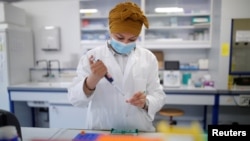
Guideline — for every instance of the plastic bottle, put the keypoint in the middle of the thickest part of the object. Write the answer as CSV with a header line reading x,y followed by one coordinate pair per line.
x,y
9,133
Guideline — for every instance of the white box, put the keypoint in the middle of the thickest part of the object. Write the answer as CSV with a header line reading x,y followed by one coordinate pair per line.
x,y
203,63
11,14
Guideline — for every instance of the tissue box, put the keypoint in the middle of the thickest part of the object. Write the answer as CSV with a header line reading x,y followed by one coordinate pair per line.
x,y
160,58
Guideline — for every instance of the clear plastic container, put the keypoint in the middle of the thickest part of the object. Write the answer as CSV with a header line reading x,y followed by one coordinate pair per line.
x,y
9,133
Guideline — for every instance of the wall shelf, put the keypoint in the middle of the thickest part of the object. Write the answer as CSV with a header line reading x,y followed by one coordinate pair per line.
x,y
172,31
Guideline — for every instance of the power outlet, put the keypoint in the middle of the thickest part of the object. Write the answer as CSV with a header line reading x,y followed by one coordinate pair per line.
x,y
244,100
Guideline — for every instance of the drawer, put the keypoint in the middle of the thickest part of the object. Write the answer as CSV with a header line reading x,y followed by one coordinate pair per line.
x,y
51,97
190,99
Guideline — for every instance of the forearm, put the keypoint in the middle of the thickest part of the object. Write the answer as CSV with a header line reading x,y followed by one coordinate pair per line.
x,y
89,85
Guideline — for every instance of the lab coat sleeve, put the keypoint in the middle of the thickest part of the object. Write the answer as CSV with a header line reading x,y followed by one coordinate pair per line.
x,y
155,93
76,95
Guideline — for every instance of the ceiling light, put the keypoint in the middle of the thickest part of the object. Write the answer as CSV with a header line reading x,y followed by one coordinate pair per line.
x,y
169,10
49,27
88,10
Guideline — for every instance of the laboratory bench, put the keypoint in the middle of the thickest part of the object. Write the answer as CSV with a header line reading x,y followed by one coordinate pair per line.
x,y
54,97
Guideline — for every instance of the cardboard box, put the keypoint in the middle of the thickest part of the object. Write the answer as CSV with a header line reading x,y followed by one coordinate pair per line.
x,y
160,57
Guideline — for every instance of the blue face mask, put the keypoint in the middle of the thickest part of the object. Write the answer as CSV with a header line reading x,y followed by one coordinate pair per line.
x,y
121,47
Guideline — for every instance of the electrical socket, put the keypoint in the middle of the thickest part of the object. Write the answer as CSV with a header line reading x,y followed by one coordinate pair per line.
x,y
244,100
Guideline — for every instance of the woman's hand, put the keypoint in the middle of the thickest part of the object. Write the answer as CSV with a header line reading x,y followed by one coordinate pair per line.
x,y
98,69
138,99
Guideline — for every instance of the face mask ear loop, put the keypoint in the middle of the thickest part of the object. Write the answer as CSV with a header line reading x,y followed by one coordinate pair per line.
x,y
110,46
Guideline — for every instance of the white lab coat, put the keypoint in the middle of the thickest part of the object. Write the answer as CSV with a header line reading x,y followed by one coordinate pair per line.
x,y
107,107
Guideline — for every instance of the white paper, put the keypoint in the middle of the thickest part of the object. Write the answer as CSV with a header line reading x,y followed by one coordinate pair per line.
x,y
242,36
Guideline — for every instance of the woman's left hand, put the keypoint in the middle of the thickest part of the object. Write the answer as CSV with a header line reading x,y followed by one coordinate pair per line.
x,y
138,99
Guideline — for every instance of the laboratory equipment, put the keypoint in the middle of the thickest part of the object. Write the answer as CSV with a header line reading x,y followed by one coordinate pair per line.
x,y
171,74
239,47
124,132
86,137
111,81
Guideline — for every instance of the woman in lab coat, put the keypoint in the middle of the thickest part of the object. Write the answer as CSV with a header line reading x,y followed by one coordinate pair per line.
x,y
136,96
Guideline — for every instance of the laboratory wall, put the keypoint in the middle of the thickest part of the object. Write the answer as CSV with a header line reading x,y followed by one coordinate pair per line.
x,y
63,14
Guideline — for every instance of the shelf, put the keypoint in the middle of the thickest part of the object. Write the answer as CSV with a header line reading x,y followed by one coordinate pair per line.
x,y
201,25
94,29
94,17
177,44
178,15
194,69
207,25
166,30
197,26
89,44
156,44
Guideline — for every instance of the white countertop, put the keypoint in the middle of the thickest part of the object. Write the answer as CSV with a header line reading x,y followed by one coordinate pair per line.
x,y
43,84
30,133
186,89
40,86
63,85
66,84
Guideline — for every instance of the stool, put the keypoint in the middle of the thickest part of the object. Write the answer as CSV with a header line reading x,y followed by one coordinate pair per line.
x,y
171,112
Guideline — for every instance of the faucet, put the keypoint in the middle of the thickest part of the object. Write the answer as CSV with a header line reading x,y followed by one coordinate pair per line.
x,y
58,64
47,67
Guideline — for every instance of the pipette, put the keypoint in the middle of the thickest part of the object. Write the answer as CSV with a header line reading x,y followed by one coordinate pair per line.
x,y
111,81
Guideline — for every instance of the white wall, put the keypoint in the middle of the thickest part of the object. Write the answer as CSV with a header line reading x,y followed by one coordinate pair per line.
x,y
62,13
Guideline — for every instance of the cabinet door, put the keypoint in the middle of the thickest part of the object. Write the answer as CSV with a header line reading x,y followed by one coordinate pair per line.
x,y
67,116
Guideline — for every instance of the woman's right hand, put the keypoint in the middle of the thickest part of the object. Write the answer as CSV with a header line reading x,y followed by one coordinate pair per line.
x,y
98,69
